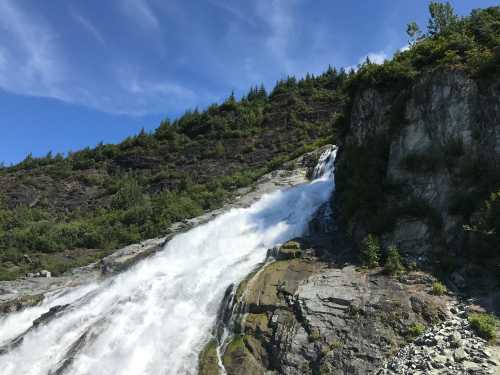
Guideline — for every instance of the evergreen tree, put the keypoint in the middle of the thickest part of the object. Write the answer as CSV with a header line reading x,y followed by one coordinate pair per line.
x,y
393,265
370,251
128,195
443,18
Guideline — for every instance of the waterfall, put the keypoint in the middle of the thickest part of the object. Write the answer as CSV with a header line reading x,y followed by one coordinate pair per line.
x,y
155,317
325,166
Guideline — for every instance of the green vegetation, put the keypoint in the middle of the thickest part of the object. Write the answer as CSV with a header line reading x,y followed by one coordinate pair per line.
x,y
415,330
393,265
71,210
467,43
485,325
486,226
208,363
370,251
438,288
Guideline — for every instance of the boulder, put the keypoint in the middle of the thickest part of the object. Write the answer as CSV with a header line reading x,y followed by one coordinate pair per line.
x,y
45,273
289,250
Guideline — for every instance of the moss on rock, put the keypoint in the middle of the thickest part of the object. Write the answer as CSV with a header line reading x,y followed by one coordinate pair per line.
x,y
208,361
240,356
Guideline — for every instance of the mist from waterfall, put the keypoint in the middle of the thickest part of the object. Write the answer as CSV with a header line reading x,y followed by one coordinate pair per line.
x,y
155,317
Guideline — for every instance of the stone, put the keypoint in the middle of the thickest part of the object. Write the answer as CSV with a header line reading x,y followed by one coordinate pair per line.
x,y
208,363
45,273
459,355
455,340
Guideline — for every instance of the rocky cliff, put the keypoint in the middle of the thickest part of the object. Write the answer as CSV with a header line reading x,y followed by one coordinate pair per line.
x,y
433,153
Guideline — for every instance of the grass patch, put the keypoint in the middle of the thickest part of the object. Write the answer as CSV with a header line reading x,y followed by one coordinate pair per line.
x,y
438,288
484,325
415,330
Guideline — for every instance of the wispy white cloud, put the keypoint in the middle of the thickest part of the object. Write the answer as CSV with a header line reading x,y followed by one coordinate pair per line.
x,y
375,57
159,88
406,47
34,62
141,12
31,63
88,26
233,11
279,18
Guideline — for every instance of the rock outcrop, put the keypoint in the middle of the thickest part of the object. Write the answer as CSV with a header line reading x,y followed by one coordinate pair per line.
x,y
415,165
305,315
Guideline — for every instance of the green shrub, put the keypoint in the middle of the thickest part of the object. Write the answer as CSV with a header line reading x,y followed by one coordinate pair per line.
x,y
438,288
393,265
129,195
416,330
370,251
484,324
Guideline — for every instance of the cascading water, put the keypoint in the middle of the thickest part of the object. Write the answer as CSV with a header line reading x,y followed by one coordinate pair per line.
x,y
155,317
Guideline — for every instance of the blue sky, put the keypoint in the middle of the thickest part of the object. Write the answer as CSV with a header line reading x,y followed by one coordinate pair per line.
x,y
74,73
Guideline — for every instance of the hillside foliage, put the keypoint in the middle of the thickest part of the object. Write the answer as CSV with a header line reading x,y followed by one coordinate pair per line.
x,y
65,211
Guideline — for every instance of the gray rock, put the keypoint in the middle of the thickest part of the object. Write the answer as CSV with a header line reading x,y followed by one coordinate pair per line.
x,y
45,273
459,355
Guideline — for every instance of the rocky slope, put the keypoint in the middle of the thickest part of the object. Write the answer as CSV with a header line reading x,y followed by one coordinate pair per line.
x,y
451,347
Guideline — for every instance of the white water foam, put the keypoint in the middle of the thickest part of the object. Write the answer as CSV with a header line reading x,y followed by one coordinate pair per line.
x,y
155,317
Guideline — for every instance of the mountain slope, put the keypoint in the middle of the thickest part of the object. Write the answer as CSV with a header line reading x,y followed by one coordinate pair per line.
x,y
58,212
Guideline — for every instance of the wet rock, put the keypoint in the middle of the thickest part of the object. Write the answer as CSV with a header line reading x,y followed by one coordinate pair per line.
x,y
49,315
45,273
208,363
20,303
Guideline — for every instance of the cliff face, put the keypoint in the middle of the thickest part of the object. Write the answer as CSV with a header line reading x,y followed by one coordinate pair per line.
x,y
423,159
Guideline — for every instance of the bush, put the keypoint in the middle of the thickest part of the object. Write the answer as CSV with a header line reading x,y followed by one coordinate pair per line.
x,y
393,265
370,251
129,195
438,289
416,330
484,324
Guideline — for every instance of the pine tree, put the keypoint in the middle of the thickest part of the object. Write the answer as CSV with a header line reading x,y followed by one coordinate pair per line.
x,y
370,251
443,17
393,265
